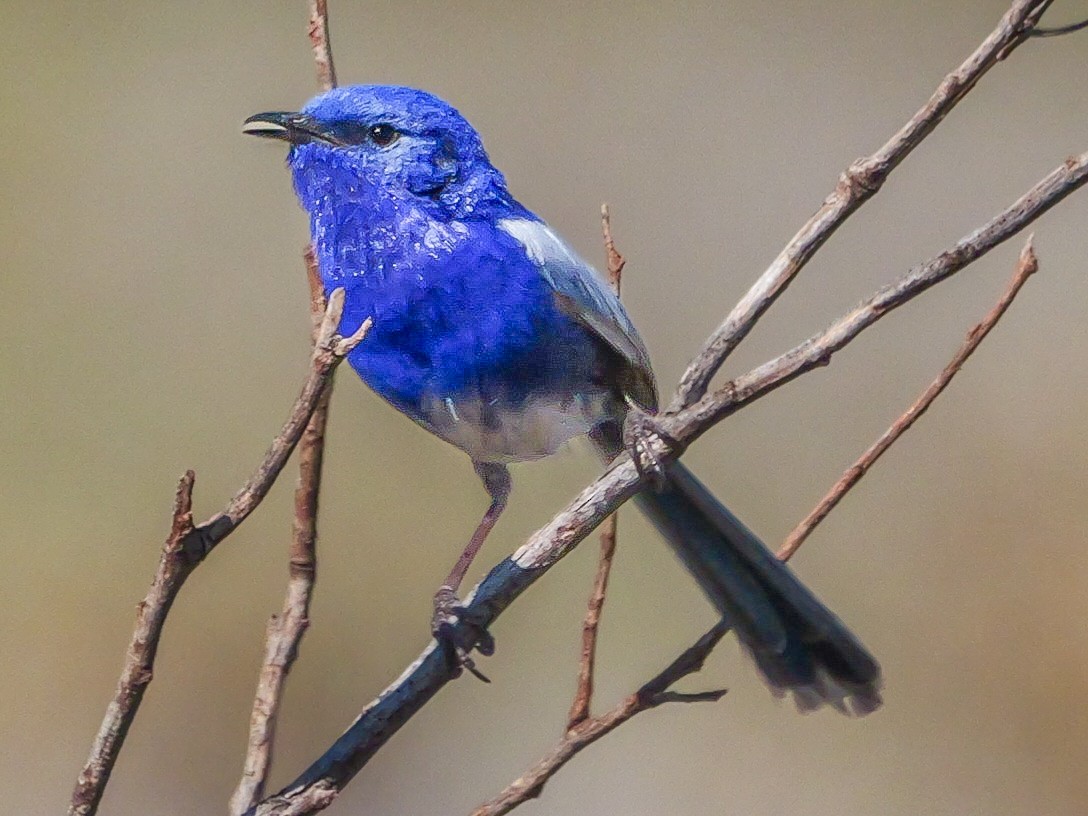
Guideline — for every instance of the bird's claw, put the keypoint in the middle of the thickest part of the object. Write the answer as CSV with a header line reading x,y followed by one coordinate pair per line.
x,y
447,626
639,428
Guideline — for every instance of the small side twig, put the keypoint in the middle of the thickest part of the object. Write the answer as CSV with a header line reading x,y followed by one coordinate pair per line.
x,y
1058,31
654,693
186,547
1026,266
583,696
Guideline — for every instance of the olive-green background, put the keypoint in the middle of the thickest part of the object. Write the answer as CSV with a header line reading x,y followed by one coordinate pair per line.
x,y
153,318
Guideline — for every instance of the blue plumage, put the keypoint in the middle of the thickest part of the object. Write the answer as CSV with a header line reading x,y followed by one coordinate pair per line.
x,y
492,333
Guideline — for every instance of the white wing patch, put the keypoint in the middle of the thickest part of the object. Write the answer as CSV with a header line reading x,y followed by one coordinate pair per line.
x,y
578,282
541,244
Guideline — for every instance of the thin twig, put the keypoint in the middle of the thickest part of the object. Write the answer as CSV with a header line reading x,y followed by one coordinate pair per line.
x,y
151,612
654,693
319,39
615,261
328,352
319,785
285,631
860,182
185,548
583,695
1058,31
1026,266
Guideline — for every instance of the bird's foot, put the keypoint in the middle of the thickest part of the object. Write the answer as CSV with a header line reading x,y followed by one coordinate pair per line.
x,y
639,428
457,636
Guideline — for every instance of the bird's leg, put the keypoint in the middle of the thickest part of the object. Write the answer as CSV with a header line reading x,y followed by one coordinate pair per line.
x,y
638,428
447,606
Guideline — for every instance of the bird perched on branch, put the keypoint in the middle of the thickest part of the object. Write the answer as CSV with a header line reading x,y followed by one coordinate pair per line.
x,y
490,332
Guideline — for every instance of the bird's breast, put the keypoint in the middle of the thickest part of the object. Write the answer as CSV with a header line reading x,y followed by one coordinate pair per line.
x,y
499,429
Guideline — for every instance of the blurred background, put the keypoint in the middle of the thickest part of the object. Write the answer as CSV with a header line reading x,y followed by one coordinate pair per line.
x,y
153,310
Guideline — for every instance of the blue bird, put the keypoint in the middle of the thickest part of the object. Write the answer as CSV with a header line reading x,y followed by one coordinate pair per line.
x,y
490,332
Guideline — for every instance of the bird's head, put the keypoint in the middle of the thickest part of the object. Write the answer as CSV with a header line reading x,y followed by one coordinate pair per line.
x,y
368,143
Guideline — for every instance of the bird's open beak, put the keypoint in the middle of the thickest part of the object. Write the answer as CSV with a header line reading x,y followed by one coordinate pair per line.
x,y
288,126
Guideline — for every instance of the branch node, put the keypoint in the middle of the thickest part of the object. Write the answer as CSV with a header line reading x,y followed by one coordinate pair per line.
x,y
343,345
862,179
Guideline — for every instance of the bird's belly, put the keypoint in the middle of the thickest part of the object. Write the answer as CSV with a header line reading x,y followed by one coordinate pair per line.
x,y
496,430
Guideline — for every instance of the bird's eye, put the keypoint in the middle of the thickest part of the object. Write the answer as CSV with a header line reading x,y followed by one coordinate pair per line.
x,y
383,135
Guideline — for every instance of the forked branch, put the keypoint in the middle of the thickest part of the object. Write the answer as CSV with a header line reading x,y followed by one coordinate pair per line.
x,y
186,547
860,182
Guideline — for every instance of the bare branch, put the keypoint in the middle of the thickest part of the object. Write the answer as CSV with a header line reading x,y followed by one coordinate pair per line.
x,y
614,261
1026,266
151,612
583,696
1059,30
656,692
285,630
319,40
817,350
861,181
322,781
185,548
328,352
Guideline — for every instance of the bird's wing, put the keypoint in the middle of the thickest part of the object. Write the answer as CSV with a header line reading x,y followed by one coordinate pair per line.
x,y
584,297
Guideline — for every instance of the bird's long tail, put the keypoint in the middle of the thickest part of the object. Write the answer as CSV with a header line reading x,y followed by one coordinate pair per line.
x,y
799,645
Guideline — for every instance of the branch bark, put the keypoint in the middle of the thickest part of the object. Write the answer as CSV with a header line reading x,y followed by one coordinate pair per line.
x,y
185,548
583,695
860,182
322,46
285,630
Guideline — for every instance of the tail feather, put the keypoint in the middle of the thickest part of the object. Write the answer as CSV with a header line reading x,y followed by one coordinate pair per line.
x,y
798,644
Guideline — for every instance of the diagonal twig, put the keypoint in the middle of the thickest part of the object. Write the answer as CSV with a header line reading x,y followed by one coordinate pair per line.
x,y
654,693
185,548
285,630
818,349
1059,31
1026,266
583,695
860,182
